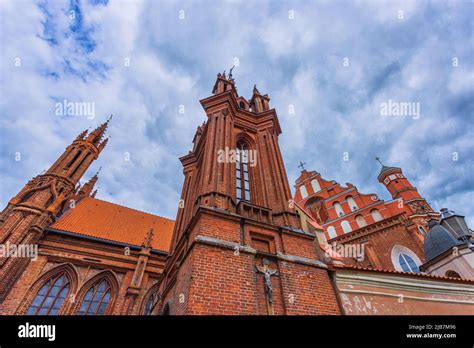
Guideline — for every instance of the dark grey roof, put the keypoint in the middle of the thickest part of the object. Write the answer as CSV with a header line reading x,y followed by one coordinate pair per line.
x,y
387,168
438,240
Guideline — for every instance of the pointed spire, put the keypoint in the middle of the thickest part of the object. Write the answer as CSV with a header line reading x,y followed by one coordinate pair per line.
x,y
87,188
103,144
96,135
82,135
378,160
385,169
259,102
224,84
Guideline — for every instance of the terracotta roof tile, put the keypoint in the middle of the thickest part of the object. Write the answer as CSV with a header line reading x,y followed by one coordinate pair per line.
x,y
101,219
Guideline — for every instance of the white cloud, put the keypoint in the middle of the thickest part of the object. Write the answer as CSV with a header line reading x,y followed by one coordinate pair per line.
x,y
297,61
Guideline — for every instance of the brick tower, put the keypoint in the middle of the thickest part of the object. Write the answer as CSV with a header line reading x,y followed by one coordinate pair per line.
x,y
38,204
416,207
238,247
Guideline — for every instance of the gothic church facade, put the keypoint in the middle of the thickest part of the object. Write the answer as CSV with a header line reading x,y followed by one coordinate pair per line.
x,y
241,244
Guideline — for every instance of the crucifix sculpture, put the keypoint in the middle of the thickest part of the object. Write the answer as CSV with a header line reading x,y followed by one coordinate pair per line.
x,y
267,274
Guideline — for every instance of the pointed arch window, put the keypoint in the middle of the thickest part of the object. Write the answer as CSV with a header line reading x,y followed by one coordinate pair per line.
x,y
50,297
242,174
96,299
73,159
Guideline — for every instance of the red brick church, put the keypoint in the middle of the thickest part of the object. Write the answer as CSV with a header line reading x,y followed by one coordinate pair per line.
x,y
241,244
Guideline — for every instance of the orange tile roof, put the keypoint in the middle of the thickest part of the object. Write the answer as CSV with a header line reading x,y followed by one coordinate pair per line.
x,y
100,219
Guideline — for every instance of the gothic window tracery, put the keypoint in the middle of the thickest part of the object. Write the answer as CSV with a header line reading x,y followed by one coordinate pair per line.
x,y
50,297
97,298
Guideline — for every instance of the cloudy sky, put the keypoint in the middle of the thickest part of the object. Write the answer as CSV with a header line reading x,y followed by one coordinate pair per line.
x,y
328,66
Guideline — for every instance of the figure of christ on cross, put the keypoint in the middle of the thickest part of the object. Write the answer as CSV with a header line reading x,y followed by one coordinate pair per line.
x,y
267,274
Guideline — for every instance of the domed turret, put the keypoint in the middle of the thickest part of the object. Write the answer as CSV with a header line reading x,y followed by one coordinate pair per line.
x,y
438,240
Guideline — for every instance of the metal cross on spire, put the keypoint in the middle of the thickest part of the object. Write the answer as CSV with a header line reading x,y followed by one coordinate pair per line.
x,y
230,72
302,165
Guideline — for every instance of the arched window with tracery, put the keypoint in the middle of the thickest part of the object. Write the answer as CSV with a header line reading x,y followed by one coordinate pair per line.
x,y
97,298
242,174
51,295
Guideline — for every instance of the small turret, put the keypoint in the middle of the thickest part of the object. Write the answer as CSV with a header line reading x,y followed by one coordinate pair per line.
x,y
259,102
396,183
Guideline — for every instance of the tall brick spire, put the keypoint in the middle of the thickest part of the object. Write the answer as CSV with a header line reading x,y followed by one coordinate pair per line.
x,y
235,209
42,199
